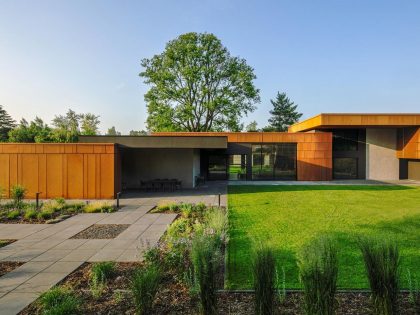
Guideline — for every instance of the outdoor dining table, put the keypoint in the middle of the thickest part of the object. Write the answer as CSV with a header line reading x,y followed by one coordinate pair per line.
x,y
162,184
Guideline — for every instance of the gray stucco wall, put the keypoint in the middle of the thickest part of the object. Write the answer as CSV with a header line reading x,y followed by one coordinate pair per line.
x,y
147,164
381,160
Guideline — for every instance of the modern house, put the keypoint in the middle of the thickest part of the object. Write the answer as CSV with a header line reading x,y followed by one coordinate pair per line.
x,y
322,148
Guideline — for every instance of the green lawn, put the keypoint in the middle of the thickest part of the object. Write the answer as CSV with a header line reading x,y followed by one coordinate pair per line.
x,y
287,217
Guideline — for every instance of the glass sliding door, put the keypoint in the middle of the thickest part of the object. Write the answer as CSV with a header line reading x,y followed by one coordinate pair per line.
x,y
237,167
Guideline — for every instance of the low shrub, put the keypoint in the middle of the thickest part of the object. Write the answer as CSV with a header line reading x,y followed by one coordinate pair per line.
x,y
99,274
14,214
144,286
59,300
30,214
99,206
264,272
382,261
318,269
206,261
17,193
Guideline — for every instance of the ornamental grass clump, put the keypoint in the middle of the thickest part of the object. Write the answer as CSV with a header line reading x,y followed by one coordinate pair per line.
x,y
413,291
144,286
205,256
382,262
99,206
318,269
59,300
264,275
99,275
17,193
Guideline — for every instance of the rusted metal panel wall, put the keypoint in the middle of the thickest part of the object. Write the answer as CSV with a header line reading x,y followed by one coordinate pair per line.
x,y
73,171
408,143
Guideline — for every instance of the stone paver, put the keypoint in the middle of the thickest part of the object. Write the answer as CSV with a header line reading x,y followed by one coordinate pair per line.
x,y
41,282
13,303
80,255
106,255
50,253
24,255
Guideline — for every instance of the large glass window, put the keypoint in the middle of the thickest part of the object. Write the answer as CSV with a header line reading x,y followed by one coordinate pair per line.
x,y
345,140
237,167
345,168
217,167
274,161
285,161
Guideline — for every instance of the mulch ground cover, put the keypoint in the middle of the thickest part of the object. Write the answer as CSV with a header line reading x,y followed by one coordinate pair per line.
x,y
6,242
174,298
7,266
102,231
55,218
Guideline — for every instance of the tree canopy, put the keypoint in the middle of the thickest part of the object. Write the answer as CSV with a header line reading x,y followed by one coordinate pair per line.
x,y
283,114
196,85
35,131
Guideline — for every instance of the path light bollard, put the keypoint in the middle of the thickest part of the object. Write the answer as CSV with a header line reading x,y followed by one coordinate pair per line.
x,y
219,200
118,199
37,200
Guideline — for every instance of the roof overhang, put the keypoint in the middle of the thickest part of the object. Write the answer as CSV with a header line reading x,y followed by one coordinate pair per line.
x,y
161,142
331,121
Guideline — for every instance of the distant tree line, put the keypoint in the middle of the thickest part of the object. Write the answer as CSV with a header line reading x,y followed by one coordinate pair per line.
x,y
63,128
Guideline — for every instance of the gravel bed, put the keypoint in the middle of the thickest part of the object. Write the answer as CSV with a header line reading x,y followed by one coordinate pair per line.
x,y
102,231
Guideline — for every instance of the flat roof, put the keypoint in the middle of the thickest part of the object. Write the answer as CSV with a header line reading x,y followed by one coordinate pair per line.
x,y
356,120
167,142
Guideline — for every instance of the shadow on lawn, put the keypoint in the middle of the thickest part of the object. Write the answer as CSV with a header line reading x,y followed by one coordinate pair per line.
x,y
247,189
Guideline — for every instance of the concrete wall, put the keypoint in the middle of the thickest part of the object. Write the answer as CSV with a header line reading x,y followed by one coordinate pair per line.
x,y
414,170
381,159
147,164
196,164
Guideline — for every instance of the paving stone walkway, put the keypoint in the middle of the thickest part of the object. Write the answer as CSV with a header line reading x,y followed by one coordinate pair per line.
x,y
50,255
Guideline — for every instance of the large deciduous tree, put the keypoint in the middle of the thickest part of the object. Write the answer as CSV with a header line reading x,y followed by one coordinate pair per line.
x,y
6,124
283,114
196,85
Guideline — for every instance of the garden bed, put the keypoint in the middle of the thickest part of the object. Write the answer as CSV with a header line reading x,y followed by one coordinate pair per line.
x,y
51,211
102,231
173,297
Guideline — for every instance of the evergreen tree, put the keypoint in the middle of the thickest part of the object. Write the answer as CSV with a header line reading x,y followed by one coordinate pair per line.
x,y
283,114
6,124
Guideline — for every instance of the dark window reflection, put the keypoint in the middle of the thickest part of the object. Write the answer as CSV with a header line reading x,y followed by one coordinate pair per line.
x,y
345,168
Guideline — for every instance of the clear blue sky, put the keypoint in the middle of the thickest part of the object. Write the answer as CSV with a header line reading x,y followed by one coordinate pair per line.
x,y
328,56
